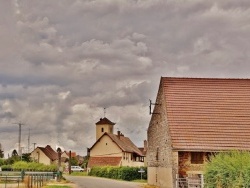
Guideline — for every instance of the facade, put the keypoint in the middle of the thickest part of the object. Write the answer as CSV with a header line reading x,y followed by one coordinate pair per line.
x,y
45,155
194,118
113,149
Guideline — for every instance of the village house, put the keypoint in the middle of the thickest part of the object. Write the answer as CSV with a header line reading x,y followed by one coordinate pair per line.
x,y
48,156
192,119
45,155
114,149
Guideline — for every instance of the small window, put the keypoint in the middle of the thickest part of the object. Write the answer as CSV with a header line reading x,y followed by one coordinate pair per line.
x,y
196,157
157,153
102,130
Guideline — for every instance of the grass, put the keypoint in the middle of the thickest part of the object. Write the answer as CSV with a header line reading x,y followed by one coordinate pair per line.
x,y
57,186
140,181
150,186
79,173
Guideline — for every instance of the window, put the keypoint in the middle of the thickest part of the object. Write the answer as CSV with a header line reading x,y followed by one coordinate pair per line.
x,y
157,153
196,158
102,130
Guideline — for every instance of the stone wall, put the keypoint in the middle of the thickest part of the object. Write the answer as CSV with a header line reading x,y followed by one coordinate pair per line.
x,y
159,154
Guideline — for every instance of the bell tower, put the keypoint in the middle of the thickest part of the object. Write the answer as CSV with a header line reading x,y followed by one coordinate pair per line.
x,y
104,125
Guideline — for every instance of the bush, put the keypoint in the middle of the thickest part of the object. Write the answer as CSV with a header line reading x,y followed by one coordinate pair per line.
x,y
6,168
123,173
229,170
20,165
33,166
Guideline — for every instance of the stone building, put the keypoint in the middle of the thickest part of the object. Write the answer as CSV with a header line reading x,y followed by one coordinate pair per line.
x,y
192,119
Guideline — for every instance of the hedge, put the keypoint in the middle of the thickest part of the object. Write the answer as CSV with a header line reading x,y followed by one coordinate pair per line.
x,y
123,173
32,166
229,170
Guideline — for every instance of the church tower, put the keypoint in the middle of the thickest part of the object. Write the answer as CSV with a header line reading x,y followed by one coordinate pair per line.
x,y
104,125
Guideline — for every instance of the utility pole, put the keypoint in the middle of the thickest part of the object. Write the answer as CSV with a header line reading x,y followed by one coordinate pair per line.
x,y
29,142
34,145
19,137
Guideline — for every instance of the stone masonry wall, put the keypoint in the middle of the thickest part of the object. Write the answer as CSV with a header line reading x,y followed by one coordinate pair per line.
x,y
159,142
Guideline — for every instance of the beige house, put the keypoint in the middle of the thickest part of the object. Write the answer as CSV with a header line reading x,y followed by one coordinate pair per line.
x,y
45,155
113,149
192,119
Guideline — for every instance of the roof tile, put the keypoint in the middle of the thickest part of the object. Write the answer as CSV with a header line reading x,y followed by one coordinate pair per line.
x,y
207,113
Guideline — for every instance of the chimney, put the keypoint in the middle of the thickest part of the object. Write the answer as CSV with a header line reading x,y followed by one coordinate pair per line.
x,y
119,134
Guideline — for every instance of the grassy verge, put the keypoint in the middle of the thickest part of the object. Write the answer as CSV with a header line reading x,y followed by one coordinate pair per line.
x,y
79,174
140,181
57,186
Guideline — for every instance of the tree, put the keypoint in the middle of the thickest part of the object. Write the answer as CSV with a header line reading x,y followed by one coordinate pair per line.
x,y
26,157
1,153
2,162
74,161
228,170
14,158
14,153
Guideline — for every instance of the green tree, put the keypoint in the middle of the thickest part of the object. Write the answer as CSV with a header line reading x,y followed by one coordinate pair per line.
x,y
228,170
1,153
14,153
2,162
74,161
14,158
26,157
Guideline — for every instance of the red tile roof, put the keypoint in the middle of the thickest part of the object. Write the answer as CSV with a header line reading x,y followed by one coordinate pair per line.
x,y
73,154
104,161
49,152
123,142
105,121
208,114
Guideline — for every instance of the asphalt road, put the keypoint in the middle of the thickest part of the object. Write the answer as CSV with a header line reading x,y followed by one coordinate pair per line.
x,y
95,182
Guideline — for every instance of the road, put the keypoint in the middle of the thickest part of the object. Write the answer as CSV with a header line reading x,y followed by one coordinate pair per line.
x,y
95,182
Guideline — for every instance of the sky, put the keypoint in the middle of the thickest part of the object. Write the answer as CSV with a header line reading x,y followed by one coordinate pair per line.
x,y
64,61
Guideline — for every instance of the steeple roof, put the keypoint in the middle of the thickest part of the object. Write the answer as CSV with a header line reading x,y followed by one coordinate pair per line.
x,y
105,121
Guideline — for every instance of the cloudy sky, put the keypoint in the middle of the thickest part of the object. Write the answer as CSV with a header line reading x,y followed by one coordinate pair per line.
x,y
63,61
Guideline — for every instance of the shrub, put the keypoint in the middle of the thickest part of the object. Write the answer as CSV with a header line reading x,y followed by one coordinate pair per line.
x,y
6,168
123,173
33,166
229,170
20,165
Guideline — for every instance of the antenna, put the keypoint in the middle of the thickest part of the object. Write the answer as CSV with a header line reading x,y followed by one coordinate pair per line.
x,y
19,137
150,104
